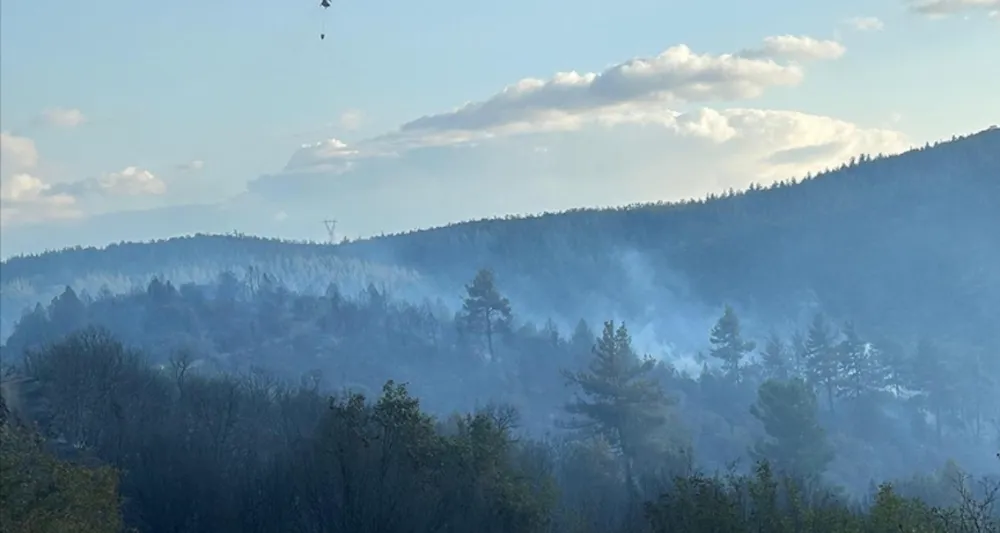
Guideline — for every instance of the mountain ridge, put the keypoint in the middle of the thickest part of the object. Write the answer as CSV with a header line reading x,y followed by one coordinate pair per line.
x,y
903,218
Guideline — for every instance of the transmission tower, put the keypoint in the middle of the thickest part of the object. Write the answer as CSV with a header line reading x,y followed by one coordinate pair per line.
x,y
331,231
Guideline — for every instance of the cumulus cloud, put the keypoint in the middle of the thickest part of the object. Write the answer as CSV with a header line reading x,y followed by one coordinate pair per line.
x,y
676,75
866,23
640,130
131,181
28,198
638,91
63,117
693,153
652,128
937,8
796,48
25,198
17,153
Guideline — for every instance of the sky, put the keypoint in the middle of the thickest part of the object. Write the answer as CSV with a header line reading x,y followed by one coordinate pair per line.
x,y
136,121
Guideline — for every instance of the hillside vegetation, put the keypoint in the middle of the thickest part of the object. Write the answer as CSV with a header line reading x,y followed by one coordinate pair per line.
x,y
824,358
902,243
182,450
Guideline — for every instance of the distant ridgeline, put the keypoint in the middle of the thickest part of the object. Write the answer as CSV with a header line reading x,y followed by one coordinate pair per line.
x,y
903,244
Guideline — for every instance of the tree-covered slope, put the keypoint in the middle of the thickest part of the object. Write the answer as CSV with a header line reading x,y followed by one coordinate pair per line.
x,y
903,243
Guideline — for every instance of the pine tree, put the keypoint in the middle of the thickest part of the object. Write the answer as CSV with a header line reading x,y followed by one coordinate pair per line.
x,y
67,313
728,344
796,443
620,400
776,359
861,370
798,348
582,341
485,311
897,366
821,361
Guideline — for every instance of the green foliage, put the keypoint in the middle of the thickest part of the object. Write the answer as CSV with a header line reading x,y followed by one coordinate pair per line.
x,y
620,401
796,443
904,243
225,454
728,345
485,312
821,358
776,360
891,512
40,493
211,443
862,372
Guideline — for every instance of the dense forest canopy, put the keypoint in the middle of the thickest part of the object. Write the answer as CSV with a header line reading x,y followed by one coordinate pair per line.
x,y
186,448
758,361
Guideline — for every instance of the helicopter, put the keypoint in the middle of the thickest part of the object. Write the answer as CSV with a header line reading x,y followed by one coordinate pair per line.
x,y
325,4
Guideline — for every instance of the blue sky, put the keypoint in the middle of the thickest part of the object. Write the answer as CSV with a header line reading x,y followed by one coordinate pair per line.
x,y
119,116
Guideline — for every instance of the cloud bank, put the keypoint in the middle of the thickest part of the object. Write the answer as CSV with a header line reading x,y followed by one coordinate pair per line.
x,y
27,198
938,8
649,128
60,117
674,125
865,23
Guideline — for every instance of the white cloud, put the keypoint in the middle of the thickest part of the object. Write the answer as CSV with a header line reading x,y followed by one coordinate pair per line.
x,y
866,23
937,8
25,199
627,134
131,181
638,91
352,119
22,187
692,154
16,153
63,117
796,48
676,75
748,132
995,14
647,129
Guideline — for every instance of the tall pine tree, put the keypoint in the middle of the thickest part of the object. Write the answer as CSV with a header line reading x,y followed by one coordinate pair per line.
x,y
728,345
776,359
796,444
821,358
619,399
862,372
485,312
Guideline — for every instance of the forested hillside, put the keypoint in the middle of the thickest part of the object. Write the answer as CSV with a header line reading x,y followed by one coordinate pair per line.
x,y
889,407
902,244
181,448
807,342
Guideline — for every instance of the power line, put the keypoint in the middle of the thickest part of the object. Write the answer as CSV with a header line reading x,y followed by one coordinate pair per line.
x,y
331,230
